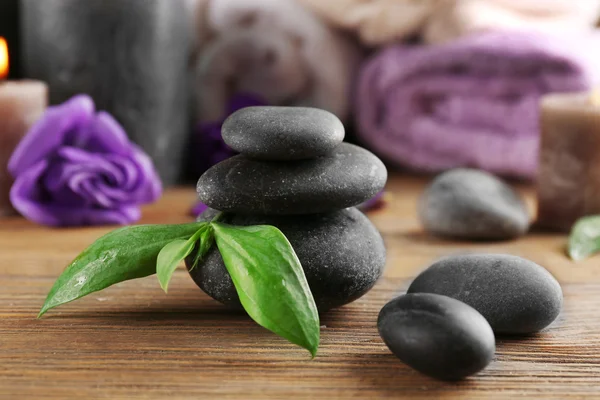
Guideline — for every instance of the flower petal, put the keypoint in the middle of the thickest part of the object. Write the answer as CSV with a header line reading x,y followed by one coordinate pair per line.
x,y
116,194
374,203
50,132
107,136
55,181
150,185
28,198
94,216
100,164
198,209
91,176
128,172
81,183
113,179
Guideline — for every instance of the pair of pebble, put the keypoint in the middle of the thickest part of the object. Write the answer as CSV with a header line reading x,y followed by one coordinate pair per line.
x,y
445,325
295,173
456,305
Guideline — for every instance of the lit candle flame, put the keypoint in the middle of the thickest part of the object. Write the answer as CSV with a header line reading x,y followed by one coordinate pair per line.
x,y
3,58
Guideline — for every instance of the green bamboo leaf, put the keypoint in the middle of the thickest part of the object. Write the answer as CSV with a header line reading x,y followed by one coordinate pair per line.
x,y
169,258
585,238
172,254
124,254
270,281
207,239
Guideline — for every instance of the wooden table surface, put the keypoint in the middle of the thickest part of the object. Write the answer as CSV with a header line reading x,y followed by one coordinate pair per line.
x,y
134,341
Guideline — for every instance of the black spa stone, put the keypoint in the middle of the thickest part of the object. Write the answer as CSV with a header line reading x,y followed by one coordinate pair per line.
x,y
515,295
283,133
342,255
472,204
436,335
345,178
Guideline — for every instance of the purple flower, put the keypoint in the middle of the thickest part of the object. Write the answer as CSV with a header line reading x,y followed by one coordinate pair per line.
x,y
208,146
198,209
375,203
76,167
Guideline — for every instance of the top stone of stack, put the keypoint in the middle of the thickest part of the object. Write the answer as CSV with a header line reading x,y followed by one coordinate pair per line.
x,y
283,133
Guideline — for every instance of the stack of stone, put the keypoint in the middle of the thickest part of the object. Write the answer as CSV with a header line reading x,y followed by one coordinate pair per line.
x,y
295,173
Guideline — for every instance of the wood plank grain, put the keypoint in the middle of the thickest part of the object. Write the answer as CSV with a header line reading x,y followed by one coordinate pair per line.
x,y
133,341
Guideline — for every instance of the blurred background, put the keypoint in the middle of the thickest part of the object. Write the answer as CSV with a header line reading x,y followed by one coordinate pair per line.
x,y
427,85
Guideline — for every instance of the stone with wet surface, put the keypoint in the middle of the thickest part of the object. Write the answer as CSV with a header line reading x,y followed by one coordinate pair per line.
x,y
308,193
283,133
515,295
437,335
341,252
345,178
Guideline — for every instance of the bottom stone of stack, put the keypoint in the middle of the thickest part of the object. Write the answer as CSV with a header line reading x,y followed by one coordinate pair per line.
x,y
341,252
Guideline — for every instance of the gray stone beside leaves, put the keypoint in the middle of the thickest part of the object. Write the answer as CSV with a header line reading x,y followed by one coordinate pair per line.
x,y
345,178
515,295
283,133
472,204
342,255
436,335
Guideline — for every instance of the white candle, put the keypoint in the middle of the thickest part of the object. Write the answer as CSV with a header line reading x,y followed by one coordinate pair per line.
x,y
21,104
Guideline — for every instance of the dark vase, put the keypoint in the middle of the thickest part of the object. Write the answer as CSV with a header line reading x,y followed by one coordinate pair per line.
x,y
131,56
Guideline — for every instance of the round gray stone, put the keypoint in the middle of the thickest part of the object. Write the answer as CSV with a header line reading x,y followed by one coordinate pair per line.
x,y
515,295
436,335
283,133
345,178
472,204
342,255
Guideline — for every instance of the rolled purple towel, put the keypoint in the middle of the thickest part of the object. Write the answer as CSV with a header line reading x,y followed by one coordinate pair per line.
x,y
471,103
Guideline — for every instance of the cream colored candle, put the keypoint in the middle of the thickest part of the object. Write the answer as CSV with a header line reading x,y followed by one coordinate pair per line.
x,y
21,104
569,169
